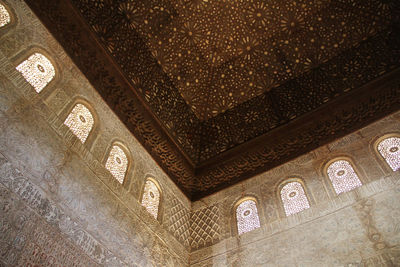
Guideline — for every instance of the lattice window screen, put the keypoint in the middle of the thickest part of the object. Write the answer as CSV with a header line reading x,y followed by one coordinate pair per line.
x,y
247,216
294,198
80,121
151,198
389,148
37,71
343,176
117,163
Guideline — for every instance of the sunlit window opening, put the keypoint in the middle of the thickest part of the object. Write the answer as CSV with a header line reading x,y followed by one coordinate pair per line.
x,y
80,121
151,198
117,163
294,198
4,16
37,71
343,176
247,216
389,148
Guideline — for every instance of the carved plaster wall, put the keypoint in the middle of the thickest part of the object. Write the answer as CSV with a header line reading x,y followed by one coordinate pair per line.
x,y
357,228
60,206
58,203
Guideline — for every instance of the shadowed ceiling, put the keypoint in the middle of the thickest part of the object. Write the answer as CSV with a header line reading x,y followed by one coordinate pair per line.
x,y
218,91
219,54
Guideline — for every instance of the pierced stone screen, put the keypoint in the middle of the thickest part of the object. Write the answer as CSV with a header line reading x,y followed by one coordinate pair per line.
x,y
343,176
80,121
294,198
390,151
37,71
151,198
117,163
247,217
4,16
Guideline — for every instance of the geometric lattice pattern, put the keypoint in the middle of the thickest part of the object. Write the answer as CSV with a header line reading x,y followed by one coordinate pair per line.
x,y
205,227
221,55
343,176
179,221
389,148
4,16
294,198
151,198
117,163
80,121
247,216
37,70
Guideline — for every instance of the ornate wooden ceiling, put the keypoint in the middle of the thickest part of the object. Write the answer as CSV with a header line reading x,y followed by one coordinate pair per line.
x,y
218,91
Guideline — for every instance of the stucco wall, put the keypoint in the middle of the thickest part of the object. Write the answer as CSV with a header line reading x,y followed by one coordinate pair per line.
x,y
357,228
58,204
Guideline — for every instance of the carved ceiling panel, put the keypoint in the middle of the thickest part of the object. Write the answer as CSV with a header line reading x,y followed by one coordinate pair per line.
x,y
218,91
219,54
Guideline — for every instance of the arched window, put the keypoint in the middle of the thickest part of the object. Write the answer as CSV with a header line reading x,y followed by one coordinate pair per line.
x,y
247,216
37,71
117,163
389,148
151,198
80,121
4,16
343,176
294,198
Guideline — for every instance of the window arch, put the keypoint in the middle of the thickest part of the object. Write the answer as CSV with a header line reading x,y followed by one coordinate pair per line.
x,y
389,148
37,71
5,17
247,216
343,176
294,198
80,121
117,163
151,197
